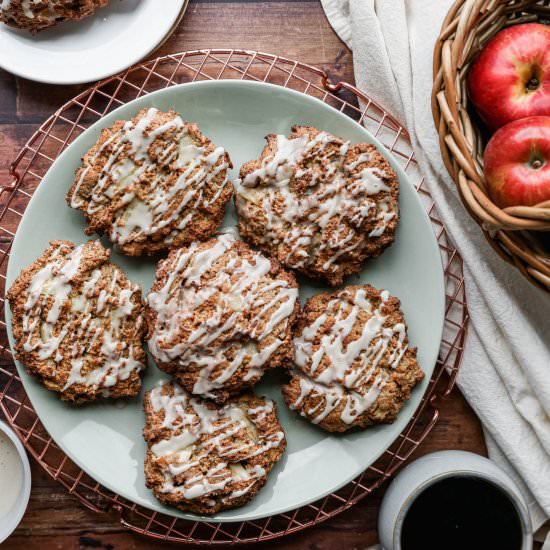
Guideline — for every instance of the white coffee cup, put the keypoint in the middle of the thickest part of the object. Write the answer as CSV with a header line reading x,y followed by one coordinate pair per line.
x,y
425,471
18,461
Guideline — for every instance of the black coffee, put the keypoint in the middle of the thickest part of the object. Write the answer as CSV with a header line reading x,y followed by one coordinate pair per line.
x,y
462,513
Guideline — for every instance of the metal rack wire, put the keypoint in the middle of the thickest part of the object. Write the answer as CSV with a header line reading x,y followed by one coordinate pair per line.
x,y
56,133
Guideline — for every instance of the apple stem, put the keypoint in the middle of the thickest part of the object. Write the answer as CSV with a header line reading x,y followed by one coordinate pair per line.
x,y
533,84
536,164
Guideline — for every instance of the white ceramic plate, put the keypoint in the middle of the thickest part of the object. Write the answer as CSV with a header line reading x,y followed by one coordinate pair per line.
x,y
112,39
106,439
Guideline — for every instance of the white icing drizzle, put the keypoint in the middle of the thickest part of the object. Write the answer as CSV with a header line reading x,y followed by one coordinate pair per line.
x,y
226,439
242,310
56,309
333,370
181,173
337,194
26,6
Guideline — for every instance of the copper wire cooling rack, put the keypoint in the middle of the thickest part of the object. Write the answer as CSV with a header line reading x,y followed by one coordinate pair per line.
x,y
73,118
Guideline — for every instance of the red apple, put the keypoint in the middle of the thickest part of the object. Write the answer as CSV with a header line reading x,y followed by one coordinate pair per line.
x,y
517,162
510,79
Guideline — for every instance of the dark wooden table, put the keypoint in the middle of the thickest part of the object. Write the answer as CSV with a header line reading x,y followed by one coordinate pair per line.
x,y
297,29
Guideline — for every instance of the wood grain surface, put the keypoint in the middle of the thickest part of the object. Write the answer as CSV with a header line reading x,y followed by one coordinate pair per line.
x,y
296,29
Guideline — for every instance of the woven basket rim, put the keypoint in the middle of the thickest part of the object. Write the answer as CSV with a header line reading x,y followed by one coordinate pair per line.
x,y
516,233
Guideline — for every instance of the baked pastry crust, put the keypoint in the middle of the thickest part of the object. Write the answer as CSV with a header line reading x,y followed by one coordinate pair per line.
x,y
77,323
152,183
203,457
37,15
318,204
219,315
353,363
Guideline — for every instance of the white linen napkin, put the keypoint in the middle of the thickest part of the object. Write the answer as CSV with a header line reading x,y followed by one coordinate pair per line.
x,y
505,374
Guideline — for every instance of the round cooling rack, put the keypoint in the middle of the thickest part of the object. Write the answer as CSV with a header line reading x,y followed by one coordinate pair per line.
x,y
52,138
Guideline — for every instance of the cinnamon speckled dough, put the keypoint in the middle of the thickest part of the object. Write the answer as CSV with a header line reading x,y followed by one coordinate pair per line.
x,y
219,315
353,363
203,457
152,183
36,15
317,203
77,323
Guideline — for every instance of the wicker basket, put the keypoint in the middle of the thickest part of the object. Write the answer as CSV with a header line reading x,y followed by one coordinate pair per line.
x,y
520,234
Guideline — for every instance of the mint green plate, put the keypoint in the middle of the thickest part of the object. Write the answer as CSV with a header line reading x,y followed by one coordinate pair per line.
x,y
105,439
